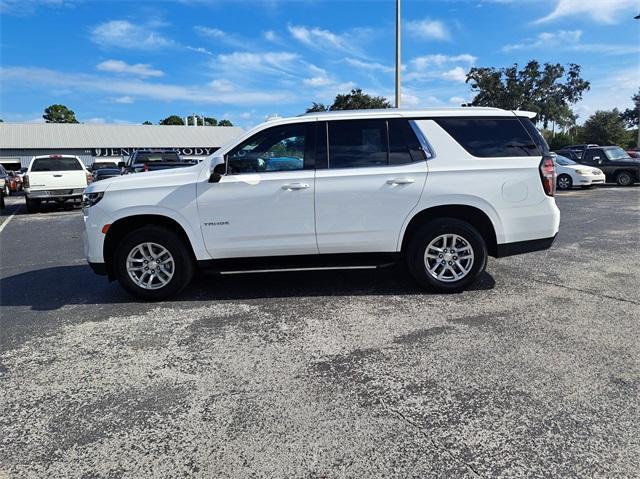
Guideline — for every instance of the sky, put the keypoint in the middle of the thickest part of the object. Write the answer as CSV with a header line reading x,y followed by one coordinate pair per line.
x,y
132,61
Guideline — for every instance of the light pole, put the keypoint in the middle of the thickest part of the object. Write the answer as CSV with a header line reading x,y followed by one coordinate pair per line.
x,y
398,60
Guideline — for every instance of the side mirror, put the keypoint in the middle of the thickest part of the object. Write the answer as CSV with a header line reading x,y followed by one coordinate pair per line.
x,y
218,168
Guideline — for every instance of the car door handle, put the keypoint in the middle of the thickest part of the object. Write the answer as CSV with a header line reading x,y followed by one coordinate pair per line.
x,y
400,181
295,186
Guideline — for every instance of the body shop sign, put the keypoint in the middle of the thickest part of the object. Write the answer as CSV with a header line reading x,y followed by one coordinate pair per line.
x,y
107,152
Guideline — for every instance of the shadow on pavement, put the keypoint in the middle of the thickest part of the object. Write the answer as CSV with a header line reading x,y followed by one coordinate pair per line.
x,y
53,288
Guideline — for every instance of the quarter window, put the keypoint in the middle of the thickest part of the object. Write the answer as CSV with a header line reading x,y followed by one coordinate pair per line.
x,y
280,148
490,137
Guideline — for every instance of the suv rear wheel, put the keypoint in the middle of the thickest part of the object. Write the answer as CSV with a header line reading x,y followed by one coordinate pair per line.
x,y
624,178
153,263
446,255
32,205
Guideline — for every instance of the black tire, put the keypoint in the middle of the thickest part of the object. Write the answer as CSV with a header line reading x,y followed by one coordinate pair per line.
x,y
182,256
1,201
33,206
423,236
564,182
6,191
624,178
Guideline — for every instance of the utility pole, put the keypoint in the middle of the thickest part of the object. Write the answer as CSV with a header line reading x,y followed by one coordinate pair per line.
x,y
398,59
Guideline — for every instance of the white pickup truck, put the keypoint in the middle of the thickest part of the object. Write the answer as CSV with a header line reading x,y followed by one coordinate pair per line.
x,y
58,178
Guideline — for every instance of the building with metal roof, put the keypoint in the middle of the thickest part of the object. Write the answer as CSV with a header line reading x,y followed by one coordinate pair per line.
x,y
19,142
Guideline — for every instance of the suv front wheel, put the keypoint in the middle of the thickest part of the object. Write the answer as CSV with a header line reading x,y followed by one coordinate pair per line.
x,y
446,255
153,263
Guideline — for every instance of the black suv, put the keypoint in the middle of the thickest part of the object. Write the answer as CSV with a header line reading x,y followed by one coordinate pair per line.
x,y
153,160
616,164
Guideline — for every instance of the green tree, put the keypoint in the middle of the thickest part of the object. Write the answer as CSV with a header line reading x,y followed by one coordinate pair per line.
x,y
1,120
147,123
605,128
354,100
172,120
317,107
205,121
631,116
59,114
225,123
549,90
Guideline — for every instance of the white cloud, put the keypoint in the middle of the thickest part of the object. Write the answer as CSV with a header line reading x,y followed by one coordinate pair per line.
x,y
222,85
209,32
370,66
429,29
569,40
457,100
197,94
438,60
280,63
325,40
317,81
139,69
457,74
124,34
547,39
601,11
199,50
271,36
124,100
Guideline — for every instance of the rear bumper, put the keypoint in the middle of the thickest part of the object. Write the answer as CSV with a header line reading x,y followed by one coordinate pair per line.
x,y
67,193
521,247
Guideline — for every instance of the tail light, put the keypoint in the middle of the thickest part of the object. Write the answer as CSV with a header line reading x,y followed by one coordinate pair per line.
x,y
548,175
145,167
25,181
89,178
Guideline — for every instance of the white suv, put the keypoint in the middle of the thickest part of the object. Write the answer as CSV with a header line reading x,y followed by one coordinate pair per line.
x,y
442,189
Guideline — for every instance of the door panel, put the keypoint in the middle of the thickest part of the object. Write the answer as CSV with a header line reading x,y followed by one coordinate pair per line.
x,y
363,209
259,214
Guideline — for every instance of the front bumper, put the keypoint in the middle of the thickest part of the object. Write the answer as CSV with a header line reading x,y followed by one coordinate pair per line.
x,y
588,180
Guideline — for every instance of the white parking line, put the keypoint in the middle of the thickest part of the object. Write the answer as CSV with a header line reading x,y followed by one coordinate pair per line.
x,y
9,218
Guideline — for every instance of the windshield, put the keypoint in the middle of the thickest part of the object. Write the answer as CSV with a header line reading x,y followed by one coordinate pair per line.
x,y
56,164
564,161
148,157
616,153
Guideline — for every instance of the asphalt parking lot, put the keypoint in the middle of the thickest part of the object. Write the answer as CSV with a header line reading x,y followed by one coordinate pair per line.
x,y
535,372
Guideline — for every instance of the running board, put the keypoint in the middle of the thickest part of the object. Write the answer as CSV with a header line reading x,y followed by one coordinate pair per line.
x,y
328,262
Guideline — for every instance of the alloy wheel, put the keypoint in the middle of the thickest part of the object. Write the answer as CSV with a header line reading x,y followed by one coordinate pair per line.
x,y
449,258
150,265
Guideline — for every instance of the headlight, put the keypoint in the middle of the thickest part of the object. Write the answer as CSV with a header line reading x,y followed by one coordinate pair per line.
x,y
583,172
90,199
597,172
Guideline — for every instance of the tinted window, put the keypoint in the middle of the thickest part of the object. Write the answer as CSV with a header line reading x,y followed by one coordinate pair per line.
x,y
591,153
149,157
357,143
55,164
561,160
280,148
403,144
535,135
490,137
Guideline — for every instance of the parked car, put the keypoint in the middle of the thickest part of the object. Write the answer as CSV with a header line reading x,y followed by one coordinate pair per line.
x,y
4,183
616,164
104,173
153,160
579,149
103,164
14,181
58,178
571,154
360,196
633,153
570,174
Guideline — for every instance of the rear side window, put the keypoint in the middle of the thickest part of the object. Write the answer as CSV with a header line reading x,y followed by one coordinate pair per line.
x,y
56,164
150,157
490,137
366,143
357,143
